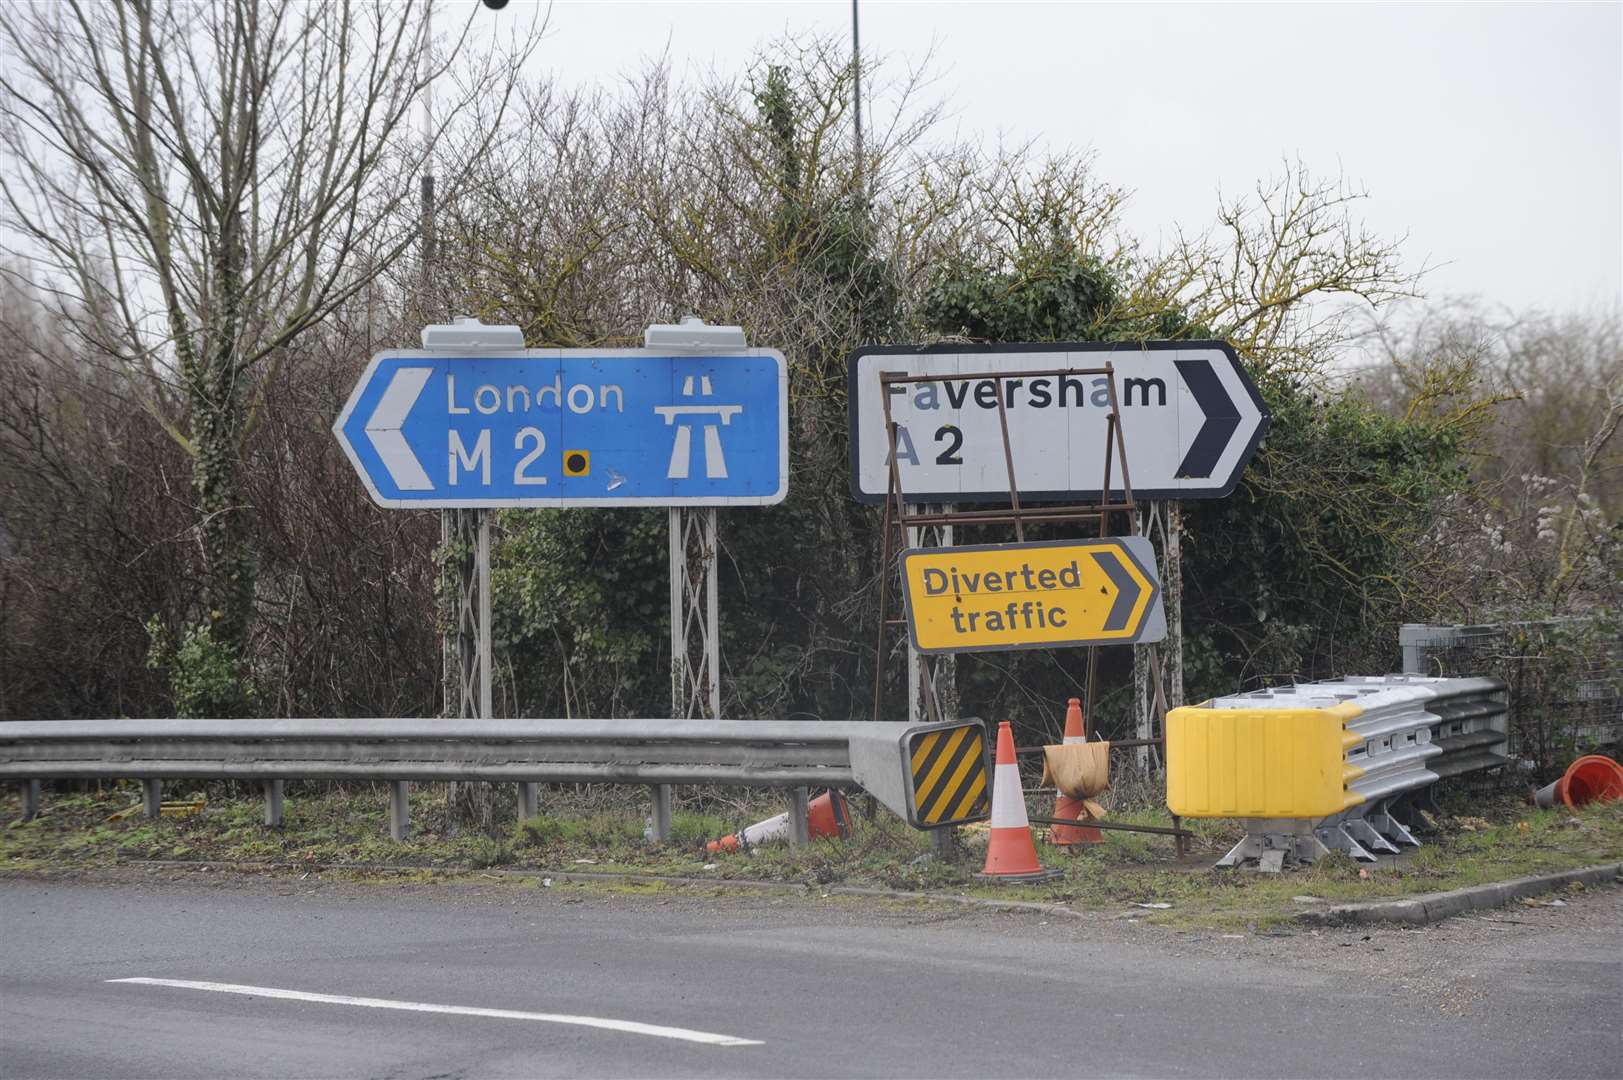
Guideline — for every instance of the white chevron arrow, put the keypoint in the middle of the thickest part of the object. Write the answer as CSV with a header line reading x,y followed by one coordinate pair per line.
x,y
383,428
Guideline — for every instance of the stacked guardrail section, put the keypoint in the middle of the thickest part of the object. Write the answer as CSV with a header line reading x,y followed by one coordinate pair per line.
x,y
1472,722
1331,765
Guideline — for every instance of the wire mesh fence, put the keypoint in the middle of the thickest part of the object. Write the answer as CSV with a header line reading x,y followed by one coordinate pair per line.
x,y
1565,678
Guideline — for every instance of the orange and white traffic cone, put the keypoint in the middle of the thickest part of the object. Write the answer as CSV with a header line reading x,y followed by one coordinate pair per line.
x,y
1064,806
1010,853
826,816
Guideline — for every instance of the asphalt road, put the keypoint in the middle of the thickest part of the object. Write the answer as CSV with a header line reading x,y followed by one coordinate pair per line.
x,y
791,986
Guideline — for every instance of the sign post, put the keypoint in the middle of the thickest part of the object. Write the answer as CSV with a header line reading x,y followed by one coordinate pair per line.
x,y
1026,422
692,421
942,674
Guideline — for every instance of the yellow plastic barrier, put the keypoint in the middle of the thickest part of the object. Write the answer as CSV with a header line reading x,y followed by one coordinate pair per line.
x,y
1261,763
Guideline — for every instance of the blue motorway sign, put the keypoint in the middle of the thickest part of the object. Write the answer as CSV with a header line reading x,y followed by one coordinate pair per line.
x,y
549,427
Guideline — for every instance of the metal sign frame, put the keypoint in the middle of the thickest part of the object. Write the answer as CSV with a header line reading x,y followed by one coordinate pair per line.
x,y
898,518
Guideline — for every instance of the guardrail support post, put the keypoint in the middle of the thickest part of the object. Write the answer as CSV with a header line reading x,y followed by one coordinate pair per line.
x,y
529,800
30,793
662,813
399,809
152,795
799,826
273,803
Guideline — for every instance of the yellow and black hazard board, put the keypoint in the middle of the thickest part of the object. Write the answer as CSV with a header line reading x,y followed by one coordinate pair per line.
x,y
948,772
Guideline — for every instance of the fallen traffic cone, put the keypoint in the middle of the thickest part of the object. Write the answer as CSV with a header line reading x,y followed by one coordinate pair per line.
x,y
1594,778
1010,854
1066,807
826,816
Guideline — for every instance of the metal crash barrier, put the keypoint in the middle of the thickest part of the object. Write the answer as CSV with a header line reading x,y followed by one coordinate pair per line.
x,y
1341,764
932,775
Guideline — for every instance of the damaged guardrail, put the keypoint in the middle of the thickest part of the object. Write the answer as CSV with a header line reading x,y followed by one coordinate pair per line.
x,y
933,775
1332,765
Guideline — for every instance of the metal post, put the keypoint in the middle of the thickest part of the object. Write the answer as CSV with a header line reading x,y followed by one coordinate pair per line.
x,y
712,628
473,661
891,502
448,612
472,530
529,799
676,547
152,796
799,823
465,537
1413,639
695,632
941,675
1162,523
662,813
399,809
482,572
679,677
916,689
31,799
856,96
695,615
944,844
945,668
1172,602
273,803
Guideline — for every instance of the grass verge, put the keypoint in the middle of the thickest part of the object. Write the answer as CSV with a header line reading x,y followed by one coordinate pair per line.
x,y
1489,839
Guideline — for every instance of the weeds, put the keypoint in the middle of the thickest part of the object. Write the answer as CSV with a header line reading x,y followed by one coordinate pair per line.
x,y
1501,839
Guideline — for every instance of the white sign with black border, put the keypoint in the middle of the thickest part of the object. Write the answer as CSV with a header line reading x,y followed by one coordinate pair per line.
x,y
1191,420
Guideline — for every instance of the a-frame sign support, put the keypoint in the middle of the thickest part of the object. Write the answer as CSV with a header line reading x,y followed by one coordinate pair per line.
x,y
903,525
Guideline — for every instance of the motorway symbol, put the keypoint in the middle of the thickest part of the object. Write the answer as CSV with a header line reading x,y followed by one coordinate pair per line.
x,y
549,427
1031,596
1191,420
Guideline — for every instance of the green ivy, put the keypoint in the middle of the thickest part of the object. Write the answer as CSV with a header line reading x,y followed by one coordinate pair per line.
x,y
206,675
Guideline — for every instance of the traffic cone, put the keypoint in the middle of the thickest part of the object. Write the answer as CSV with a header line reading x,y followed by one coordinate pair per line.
x,y
1593,778
1064,806
826,816
1010,854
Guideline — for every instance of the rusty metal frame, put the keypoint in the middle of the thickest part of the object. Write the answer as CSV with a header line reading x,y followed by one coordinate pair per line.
x,y
897,518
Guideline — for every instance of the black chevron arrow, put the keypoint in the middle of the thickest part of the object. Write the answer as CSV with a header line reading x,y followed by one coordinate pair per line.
x,y
1127,590
1222,417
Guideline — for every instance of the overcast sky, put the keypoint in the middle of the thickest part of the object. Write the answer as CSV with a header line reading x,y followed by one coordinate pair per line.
x,y
1491,134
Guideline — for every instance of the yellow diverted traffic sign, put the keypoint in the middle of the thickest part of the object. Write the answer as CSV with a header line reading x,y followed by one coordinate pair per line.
x,y
1031,596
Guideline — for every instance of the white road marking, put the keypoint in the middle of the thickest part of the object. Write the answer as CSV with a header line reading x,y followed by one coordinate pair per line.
x,y
631,1027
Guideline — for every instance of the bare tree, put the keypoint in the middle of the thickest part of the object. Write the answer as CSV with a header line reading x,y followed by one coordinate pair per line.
x,y
200,184
1538,400
1280,273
